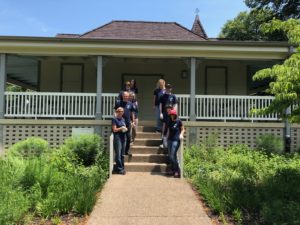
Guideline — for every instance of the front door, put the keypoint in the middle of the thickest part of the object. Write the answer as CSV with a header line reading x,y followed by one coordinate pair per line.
x,y
146,85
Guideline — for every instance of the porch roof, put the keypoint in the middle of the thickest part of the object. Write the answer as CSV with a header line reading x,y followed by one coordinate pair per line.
x,y
210,49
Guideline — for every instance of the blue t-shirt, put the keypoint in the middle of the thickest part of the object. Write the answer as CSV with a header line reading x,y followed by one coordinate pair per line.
x,y
128,110
135,109
174,129
158,93
119,122
167,99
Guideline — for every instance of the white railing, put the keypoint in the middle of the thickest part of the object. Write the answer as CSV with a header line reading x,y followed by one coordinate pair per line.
x,y
50,105
232,107
183,106
218,107
83,105
108,104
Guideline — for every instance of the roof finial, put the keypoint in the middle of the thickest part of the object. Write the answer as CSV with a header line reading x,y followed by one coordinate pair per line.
x,y
197,11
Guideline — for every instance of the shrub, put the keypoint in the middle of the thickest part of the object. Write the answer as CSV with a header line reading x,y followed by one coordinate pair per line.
x,y
86,147
29,147
255,188
270,144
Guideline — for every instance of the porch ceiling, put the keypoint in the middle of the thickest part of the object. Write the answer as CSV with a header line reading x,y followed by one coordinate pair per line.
x,y
168,49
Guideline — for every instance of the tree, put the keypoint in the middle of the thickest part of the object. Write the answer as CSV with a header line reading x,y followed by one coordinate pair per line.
x,y
282,9
246,26
286,77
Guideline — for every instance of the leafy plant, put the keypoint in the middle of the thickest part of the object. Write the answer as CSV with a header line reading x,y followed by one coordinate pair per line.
x,y
29,147
87,148
270,144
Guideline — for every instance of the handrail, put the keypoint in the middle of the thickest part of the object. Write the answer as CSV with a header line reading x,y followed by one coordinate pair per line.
x,y
180,157
111,154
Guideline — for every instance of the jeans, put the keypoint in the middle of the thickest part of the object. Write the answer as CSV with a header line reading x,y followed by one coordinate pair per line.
x,y
173,146
119,147
158,120
128,138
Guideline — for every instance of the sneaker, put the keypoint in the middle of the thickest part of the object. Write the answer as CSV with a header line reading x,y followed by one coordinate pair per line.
x,y
176,175
161,146
123,172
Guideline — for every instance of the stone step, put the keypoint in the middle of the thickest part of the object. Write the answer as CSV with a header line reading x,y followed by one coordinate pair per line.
x,y
136,149
145,129
147,142
146,167
148,135
147,158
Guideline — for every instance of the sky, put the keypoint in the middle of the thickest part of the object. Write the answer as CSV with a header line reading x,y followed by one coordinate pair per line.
x,y
49,17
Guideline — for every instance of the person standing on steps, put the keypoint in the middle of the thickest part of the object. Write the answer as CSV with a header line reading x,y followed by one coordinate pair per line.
x,y
175,136
132,98
166,99
158,92
119,130
128,116
133,87
127,87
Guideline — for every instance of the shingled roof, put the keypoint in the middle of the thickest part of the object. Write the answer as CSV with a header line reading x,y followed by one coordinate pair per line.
x,y
141,30
198,28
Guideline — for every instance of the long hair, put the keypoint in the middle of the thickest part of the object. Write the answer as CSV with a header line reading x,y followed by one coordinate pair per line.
x,y
164,83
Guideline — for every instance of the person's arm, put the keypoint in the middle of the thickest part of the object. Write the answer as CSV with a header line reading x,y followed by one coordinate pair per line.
x,y
115,129
154,97
181,131
175,103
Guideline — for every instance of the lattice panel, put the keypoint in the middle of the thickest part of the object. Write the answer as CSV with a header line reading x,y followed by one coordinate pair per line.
x,y
106,131
230,135
54,134
295,139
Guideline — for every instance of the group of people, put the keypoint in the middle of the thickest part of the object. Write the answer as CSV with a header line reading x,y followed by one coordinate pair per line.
x,y
167,123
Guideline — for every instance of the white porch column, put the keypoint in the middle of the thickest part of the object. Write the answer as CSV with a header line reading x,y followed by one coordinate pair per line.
x,y
193,90
99,88
98,115
2,97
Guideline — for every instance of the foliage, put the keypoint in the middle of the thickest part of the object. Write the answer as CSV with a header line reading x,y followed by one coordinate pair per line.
x,y
13,88
29,147
247,26
283,9
86,147
286,77
270,144
255,188
48,185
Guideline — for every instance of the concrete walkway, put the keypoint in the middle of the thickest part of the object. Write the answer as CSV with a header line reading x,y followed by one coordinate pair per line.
x,y
147,199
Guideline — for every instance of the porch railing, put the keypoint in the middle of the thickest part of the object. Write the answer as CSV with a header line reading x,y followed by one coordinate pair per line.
x,y
83,105
226,107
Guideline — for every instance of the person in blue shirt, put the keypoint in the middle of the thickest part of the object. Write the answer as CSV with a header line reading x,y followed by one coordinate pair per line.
x,y
166,99
128,116
132,98
158,92
119,129
175,136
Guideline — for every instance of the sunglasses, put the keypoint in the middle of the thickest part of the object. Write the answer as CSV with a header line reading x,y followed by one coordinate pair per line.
x,y
119,111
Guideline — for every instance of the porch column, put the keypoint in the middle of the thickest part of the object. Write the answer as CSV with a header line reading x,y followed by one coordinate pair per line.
x,y
2,97
193,90
98,115
192,130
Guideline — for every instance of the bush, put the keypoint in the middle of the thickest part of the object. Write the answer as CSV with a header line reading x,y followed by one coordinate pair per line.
x,y
29,147
270,144
51,184
87,148
253,187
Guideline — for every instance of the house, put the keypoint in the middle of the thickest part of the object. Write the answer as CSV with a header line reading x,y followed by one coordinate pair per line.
x,y
75,79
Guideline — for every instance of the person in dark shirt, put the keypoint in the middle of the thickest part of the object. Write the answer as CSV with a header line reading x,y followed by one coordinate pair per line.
x,y
158,92
166,99
132,98
175,136
128,117
127,87
118,127
133,87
